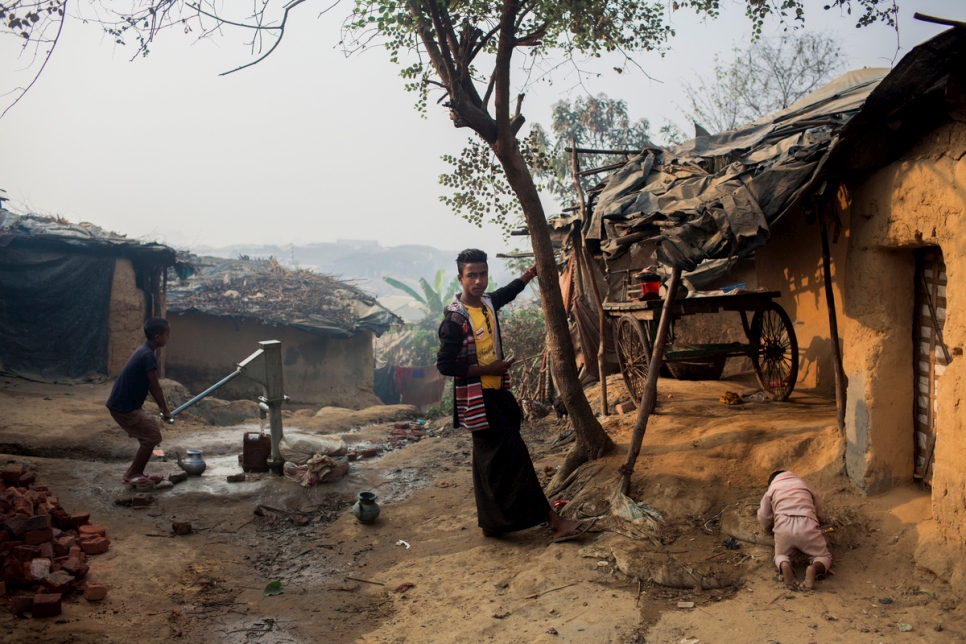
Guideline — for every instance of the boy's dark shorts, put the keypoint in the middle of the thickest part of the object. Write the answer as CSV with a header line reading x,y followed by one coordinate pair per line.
x,y
138,424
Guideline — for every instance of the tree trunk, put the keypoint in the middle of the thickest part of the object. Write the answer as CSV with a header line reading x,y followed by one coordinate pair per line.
x,y
592,441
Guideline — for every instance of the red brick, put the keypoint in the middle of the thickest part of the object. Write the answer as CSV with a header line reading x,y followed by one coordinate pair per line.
x,y
59,582
46,550
40,488
37,537
23,507
11,473
95,592
3,589
76,567
27,478
36,570
60,518
20,604
181,527
46,605
95,546
12,574
24,553
52,500
80,519
63,544
76,553
88,531
625,408
34,496
11,493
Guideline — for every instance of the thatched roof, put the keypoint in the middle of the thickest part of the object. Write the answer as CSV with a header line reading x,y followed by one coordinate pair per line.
x,y
267,291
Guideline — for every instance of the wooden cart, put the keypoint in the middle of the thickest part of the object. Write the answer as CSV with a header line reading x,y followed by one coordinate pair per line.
x,y
772,345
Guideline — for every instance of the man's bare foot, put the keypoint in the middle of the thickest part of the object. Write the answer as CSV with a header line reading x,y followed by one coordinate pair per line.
x,y
788,576
568,529
812,573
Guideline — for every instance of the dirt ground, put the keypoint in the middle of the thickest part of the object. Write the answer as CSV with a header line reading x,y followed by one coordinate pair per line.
x,y
702,470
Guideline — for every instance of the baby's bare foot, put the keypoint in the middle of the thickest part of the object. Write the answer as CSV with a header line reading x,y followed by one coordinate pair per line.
x,y
811,574
788,576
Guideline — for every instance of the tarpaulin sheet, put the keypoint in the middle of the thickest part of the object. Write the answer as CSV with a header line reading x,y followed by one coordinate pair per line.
x,y
716,196
384,384
420,386
54,311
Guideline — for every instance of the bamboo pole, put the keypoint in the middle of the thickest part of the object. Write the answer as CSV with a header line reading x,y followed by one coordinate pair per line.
x,y
833,324
650,386
601,319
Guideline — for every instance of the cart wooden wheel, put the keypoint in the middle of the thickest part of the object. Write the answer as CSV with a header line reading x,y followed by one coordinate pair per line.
x,y
633,355
775,355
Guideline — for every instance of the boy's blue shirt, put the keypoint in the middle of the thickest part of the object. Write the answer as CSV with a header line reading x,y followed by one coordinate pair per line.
x,y
131,387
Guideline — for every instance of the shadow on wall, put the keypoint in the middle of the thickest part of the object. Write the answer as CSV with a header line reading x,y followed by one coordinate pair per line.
x,y
816,362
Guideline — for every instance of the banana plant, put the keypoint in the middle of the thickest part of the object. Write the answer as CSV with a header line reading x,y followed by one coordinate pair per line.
x,y
434,298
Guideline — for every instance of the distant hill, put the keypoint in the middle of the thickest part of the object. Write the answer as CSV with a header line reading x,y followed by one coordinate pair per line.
x,y
363,262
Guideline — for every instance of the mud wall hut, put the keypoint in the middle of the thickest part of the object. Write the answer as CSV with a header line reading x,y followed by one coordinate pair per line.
x,y
74,297
326,327
876,159
895,192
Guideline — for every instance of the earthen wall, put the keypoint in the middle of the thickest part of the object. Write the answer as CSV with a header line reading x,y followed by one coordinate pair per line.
x,y
126,317
919,200
791,263
321,371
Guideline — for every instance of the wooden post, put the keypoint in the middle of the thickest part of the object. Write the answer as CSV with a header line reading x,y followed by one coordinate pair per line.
x,y
650,386
601,318
833,325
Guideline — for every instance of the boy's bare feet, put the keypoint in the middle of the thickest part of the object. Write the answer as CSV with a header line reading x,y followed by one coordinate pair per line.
x,y
788,576
813,572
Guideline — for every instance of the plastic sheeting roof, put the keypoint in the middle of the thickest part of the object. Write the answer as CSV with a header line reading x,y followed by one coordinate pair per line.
x,y
49,233
716,196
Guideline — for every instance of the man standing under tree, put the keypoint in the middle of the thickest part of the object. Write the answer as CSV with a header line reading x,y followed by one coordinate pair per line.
x,y
508,495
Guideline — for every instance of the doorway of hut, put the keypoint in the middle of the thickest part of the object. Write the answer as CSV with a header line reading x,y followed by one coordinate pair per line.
x,y
930,354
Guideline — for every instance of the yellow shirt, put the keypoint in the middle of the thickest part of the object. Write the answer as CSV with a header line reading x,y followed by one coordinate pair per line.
x,y
482,323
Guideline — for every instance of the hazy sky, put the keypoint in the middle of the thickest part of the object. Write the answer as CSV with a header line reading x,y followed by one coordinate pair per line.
x,y
308,146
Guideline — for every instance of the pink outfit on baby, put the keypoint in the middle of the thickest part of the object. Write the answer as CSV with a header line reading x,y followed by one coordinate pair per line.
x,y
792,510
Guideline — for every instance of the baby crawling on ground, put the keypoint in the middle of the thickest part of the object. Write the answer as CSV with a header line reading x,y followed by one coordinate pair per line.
x,y
792,511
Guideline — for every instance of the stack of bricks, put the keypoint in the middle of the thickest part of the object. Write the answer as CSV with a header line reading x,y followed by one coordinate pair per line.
x,y
43,548
402,431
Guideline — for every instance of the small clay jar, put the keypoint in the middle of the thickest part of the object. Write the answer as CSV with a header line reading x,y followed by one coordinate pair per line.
x,y
365,509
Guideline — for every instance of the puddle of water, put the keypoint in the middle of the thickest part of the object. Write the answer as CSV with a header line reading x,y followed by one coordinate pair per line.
x,y
221,447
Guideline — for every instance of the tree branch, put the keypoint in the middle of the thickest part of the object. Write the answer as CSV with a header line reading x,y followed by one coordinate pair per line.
x,y
60,29
444,40
281,32
501,71
486,38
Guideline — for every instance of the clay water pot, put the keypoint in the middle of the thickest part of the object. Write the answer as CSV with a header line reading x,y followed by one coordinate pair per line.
x,y
365,508
193,463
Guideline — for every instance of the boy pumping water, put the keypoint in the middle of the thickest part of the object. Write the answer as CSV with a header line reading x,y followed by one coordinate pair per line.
x,y
137,378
